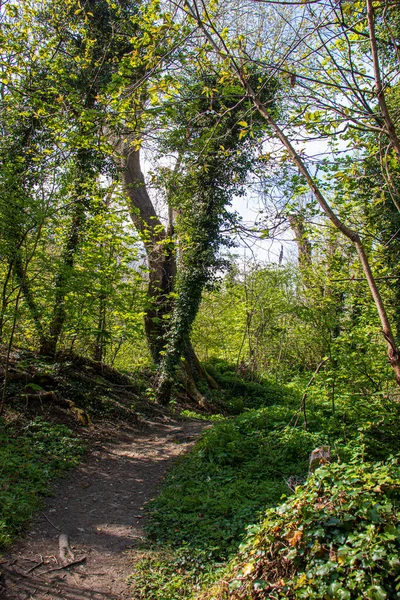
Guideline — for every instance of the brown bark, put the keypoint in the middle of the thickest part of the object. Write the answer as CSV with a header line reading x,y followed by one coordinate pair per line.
x,y
160,252
196,369
380,91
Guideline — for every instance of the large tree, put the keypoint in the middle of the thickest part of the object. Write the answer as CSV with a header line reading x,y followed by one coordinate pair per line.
x,y
342,94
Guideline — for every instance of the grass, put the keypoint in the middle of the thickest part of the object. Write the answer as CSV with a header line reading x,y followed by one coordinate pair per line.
x,y
238,467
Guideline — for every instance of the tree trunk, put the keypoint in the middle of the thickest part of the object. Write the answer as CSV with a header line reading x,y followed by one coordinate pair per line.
x,y
4,299
23,282
160,252
99,346
303,243
380,90
161,256
49,344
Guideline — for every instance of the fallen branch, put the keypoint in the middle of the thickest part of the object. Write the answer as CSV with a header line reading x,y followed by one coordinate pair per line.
x,y
64,548
32,560
66,566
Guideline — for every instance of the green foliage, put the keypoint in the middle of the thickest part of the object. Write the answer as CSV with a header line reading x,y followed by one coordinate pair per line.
x,y
63,68
260,318
169,574
337,537
238,467
239,392
105,296
29,458
207,135
280,323
191,414
245,463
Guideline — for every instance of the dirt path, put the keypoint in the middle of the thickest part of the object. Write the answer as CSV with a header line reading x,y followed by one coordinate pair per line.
x,y
100,507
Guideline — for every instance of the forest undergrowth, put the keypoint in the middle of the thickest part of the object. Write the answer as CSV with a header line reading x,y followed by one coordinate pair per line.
x,y
237,517
31,455
342,519
164,211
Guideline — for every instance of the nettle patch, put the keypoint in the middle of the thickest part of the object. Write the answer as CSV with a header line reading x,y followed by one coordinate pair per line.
x,y
337,537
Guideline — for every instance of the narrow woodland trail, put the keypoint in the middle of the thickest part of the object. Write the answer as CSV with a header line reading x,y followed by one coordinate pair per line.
x,y
100,506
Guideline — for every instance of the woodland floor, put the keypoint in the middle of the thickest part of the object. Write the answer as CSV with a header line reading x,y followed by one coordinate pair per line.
x,y
101,507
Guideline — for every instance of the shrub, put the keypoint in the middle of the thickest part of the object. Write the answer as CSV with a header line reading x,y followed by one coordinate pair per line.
x,y
338,537
239,392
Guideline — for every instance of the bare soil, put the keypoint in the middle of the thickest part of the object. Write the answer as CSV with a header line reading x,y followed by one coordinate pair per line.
x,y
101,507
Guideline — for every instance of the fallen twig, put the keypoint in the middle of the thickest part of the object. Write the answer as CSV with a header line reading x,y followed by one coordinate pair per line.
x,y
65,552
70,564
36,566
52,524
32,560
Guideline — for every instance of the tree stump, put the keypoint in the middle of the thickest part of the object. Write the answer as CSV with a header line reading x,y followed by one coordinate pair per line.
x,y
319,456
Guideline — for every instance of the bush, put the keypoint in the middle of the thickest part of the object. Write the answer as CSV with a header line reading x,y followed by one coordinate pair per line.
x,y
338,537
239,392
243,465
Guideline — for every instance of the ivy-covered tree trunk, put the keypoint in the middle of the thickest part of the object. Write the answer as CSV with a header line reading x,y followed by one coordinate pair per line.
x,y
216,156
161,256
204,217
303,243
23,282
192,279
49,343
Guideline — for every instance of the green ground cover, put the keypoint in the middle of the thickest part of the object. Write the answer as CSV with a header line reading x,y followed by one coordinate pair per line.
x,y
242,465
30,457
